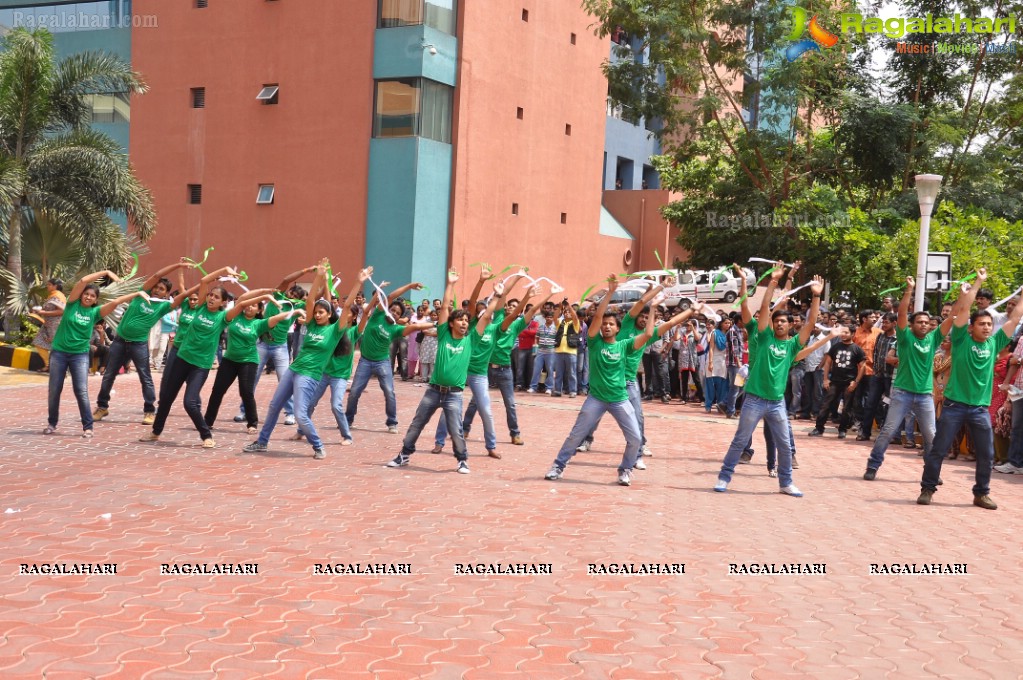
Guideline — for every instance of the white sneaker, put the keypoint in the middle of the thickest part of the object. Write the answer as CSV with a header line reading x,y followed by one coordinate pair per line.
x,y
554,473
530,391
791,490
772,473
640,465
289,420
583,448
721,486
624,478
1008,469
647,451
392,429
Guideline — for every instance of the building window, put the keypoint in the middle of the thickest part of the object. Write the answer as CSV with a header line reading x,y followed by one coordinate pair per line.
x,y
571,38
110,108
515,208
195,194
201,4
198,97
520,113
265,196
564,218
438,14
268,95
568,129
412,107
525,15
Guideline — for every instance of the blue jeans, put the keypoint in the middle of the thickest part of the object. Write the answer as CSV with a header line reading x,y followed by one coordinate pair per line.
x,y
139,354
541,362
904,403
582,367
733,390
500,377
481,400
774,415
872,404
590,414
304,391
385,378
281,362
771,446
715,391
337,396
60,362
1016,434
636,399
564,372
434,399
282,395
978,422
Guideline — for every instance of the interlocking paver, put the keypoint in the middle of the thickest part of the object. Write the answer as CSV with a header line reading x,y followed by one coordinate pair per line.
x,y
177,503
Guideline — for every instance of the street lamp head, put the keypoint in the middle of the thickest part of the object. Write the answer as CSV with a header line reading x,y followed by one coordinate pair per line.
x,y
927,187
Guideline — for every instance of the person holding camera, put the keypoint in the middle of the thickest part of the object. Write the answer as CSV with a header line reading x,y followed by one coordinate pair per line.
x,y
566,345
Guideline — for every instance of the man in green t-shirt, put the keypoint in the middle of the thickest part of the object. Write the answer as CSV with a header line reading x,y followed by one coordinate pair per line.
x,y
968,393
132,341
455,342
608,357
913,385
771,354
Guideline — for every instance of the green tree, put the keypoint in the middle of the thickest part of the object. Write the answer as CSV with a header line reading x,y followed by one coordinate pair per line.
x,y
51,160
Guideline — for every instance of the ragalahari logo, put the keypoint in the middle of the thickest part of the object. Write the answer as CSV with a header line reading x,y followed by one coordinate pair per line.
x,y
819,37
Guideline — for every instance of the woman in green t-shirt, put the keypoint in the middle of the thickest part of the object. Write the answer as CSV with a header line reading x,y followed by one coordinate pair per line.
x,y
70,349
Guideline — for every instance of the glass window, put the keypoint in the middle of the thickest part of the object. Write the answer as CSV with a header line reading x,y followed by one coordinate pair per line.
x,y
265,196
438,14
441,14
413,107
71,17
110,108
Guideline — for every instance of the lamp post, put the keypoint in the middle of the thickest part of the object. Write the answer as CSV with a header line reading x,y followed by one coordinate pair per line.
x,y
927,187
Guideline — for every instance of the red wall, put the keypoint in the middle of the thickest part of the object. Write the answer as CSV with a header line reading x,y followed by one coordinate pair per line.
x,y
313,145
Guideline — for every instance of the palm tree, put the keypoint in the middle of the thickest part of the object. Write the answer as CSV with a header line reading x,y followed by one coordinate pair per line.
x,y
50,159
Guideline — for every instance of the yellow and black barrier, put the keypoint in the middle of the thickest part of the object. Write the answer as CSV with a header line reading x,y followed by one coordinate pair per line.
x,y
25,358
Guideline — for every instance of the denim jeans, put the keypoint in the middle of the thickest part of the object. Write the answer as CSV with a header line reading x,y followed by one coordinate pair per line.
x,y
282,395
733,391
636,399
541,362
773,413
564,373
590,414
337,396
1016,434
245,373
660,383
60,363
582,368
872,405
523,367
904,403
182,373
978,422
501,378
305,391
771,446
385,377
138,352
434,399
481,400
279,353
796,374
715,391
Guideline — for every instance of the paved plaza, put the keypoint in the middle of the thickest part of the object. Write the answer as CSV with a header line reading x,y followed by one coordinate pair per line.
x,y
157,511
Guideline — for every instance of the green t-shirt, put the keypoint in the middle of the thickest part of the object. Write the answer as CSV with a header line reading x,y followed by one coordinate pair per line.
x,y
242,335
505,341
75,329
203,338
915,372
377,338
341,366
453,357
317,349
634,359
608,368
139,319
769,362
973,366
279,333
483,349
184,321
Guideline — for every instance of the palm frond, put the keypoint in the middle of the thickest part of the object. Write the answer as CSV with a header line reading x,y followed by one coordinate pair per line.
x,y
26,77
17,297
90,73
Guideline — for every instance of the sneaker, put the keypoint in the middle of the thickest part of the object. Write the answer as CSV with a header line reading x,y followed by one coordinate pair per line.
x,y
401,460
530,391
870,474
318,454
815,433
647,451
463,467
640,465
583,448
721,486
240,418
841,434
100,413
392,429
925,497
209,444
624,478
554,473
555,394
667,400
148,418
791,490
573,395
149,437
722,410
772,473
254,447
862,437
289,420
251,430
347,442
746,457
1008,469
795,463
517,440
985,502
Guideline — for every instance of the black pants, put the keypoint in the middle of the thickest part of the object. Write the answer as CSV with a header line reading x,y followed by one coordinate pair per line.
x,y
182,373
859,397
831,399
226,374
676,386
648,375
100,353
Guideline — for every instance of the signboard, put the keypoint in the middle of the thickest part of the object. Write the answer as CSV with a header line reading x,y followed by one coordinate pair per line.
x,y
939,271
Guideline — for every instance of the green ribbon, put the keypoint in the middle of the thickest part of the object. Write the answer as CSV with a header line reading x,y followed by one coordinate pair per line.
x,y
718,279
135,267
522,267
663,268
242,276
198,265
891,290
743,298
330,282
951,287
480,264
586,293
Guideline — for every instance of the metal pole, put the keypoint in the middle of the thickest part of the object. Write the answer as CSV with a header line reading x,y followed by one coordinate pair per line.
x,y
921,260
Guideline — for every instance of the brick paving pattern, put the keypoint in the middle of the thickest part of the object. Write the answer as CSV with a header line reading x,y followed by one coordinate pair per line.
x,y
112,500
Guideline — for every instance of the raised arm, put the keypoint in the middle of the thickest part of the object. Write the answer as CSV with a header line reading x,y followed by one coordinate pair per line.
x,y
294,276
520,308
598,315
240,305
1009,327
183,295
254,293
109,307
79,288
360,281
817,287
649,295
283,316
961,308
907,299
155,278
648,332
449,295
478,288
747,315
407,287
488,313
836,332
764,320
211,277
